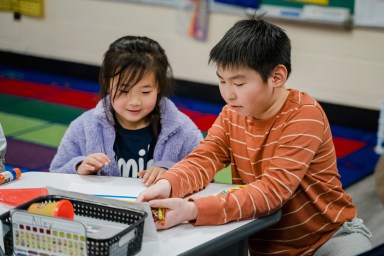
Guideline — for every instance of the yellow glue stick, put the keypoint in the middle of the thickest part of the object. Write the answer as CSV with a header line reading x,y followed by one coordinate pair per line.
x,y
62,208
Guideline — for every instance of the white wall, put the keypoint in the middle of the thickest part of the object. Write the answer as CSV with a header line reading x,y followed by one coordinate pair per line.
x,y
333,65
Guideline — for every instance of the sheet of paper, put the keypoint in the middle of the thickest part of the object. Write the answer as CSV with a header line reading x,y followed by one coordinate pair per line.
x,y
369,13
106,190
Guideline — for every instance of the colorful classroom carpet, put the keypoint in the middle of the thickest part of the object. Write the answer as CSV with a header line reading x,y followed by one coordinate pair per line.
x,y
36,109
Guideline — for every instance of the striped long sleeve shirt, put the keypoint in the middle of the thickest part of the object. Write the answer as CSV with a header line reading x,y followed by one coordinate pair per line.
x,y
288,162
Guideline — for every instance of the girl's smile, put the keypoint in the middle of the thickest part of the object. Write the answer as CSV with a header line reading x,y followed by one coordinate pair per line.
x,y
134,104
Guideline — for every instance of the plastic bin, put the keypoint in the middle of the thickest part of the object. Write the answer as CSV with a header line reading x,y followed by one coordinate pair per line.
x,y
126,241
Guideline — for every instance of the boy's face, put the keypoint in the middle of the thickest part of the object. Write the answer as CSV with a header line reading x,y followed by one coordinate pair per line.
x,y
245,92
132,106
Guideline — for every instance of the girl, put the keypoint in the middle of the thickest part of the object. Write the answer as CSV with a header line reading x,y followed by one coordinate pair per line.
x,y
135,130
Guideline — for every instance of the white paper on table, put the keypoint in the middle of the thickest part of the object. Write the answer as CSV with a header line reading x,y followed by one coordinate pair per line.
x,y
106,191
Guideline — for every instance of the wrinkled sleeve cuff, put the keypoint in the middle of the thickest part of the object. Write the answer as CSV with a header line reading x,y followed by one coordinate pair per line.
x,y
208,211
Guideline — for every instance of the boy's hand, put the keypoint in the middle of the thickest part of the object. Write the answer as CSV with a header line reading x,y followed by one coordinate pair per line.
x,y
93,163
178,210
150,175
161,189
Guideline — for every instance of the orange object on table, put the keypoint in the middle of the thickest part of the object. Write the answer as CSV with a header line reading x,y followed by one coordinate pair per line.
x,y
62,208
17,196
9,176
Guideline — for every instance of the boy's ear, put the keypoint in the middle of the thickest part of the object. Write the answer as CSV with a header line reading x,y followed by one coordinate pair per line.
x,y
279,75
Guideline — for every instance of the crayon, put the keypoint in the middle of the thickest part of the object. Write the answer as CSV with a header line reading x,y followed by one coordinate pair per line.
x,y
162,216
226,191
158,214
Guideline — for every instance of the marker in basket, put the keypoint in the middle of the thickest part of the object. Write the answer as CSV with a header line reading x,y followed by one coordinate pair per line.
x,y
8,176
62,208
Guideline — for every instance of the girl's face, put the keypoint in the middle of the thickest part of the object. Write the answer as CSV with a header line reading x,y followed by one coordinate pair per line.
x,y
132,106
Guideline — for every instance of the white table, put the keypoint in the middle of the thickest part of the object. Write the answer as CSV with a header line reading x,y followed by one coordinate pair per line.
x,y
184,239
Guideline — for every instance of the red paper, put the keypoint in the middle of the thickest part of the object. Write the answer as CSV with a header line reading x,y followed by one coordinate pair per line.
x,y
17,196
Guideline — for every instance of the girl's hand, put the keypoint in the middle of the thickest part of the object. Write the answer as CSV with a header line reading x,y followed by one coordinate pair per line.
x,y
150,175
177,210
93,163
161,189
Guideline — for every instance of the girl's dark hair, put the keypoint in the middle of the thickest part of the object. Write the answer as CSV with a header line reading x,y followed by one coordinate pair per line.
x,y
130,58
253,43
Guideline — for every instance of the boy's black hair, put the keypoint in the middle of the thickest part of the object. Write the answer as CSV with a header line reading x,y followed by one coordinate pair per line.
x,y
253,43
130,58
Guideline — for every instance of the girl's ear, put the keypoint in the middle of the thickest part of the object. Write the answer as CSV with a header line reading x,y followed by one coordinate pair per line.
x,y
279,76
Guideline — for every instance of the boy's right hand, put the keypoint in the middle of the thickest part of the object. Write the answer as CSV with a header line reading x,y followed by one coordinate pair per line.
x,y
161,189
93,163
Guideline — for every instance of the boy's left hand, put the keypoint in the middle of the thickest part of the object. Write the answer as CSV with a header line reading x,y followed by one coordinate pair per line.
x,y
150,175
178,210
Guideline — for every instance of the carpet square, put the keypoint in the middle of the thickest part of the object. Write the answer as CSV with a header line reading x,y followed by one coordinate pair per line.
x,y
49,135
28,155
15,124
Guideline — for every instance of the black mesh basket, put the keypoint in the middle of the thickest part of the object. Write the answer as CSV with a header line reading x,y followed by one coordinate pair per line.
x,y
98,211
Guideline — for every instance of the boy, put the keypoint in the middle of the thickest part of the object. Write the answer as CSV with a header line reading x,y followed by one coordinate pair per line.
x,y
278,142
